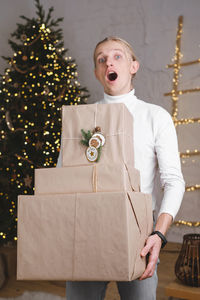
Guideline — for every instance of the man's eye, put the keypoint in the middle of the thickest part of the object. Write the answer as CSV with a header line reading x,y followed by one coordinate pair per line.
x,y
117,56
101,60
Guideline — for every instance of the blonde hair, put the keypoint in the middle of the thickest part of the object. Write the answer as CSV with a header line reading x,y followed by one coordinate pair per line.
x,y
116,39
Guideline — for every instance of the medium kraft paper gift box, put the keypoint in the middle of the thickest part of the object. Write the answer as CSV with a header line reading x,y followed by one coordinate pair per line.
x,y
88,236
116,124
87,179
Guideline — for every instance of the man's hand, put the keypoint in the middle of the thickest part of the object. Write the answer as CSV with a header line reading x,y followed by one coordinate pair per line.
x,y
152,248
153,245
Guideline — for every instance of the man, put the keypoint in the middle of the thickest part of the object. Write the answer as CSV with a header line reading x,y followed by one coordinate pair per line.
x,y
155,147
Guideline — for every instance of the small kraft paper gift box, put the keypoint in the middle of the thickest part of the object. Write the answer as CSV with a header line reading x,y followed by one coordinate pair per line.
x,y
111,123
87,179
86,236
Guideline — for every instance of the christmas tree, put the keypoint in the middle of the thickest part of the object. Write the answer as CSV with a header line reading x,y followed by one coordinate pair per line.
x,y
39,80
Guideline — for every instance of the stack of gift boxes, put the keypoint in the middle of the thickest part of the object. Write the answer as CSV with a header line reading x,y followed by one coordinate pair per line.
x,y
88,219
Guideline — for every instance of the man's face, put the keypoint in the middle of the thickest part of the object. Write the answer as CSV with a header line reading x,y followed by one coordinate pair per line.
x,y
114,67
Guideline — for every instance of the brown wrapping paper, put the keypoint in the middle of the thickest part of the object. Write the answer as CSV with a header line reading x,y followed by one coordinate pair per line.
x,y
82,236
87,179
116,124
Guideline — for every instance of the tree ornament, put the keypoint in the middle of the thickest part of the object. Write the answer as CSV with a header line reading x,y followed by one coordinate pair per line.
x,y
59,98
14,176
24,58
27,181
23,37
7,77
46,90
58,50
39,145
8,120
22,109
16,85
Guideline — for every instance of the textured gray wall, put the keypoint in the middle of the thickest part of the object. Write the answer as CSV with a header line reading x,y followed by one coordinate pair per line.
x,y
150,26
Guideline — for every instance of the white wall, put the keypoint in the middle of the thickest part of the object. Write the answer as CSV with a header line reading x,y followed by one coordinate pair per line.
x,y
150,26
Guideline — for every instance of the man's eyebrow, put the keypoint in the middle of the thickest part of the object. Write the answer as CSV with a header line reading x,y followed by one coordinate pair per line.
x,y
98,54
118,50
111,50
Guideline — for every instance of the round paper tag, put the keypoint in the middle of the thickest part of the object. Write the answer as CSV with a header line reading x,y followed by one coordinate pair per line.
x,y
100,137
92,154
94,142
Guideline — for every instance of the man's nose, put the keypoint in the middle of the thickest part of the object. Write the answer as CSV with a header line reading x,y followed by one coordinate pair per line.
x,y
109,61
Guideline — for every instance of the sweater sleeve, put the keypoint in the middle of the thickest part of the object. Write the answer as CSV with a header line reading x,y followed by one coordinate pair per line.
x,y
166,147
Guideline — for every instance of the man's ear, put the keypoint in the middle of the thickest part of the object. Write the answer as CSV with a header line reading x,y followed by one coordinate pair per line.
x,y
134,66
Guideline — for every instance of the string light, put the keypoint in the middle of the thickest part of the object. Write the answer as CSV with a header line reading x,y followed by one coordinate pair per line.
x,y
187,223
186,121
175,93
189,153
192,188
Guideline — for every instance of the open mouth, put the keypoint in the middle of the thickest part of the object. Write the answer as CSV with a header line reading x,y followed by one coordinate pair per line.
x,y
112,76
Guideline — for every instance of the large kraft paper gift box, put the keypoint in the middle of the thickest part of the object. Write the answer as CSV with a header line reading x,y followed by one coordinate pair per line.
x,y
87,179
116,124
88,236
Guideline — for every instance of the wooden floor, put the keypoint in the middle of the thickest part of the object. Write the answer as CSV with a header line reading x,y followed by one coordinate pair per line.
x,y
13,288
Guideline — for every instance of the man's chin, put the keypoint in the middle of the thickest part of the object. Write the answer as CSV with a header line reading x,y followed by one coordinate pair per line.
x,y
112,92
116,90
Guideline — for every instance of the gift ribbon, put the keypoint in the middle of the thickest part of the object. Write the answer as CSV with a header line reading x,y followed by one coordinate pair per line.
x,y
74,240
107,135
95,117
94,179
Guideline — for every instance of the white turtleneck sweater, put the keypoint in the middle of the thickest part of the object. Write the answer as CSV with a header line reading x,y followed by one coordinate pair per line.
x,y
155,148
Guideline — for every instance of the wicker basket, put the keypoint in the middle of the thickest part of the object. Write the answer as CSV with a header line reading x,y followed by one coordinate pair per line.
x,y
187,268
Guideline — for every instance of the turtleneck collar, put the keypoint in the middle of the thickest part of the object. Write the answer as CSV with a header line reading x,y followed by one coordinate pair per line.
x,y
128,99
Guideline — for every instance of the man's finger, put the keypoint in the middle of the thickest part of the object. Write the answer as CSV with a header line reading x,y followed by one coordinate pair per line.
x,y
145,251
149,271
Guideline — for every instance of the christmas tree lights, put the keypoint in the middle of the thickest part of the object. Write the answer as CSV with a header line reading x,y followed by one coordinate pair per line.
x,y
40,79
